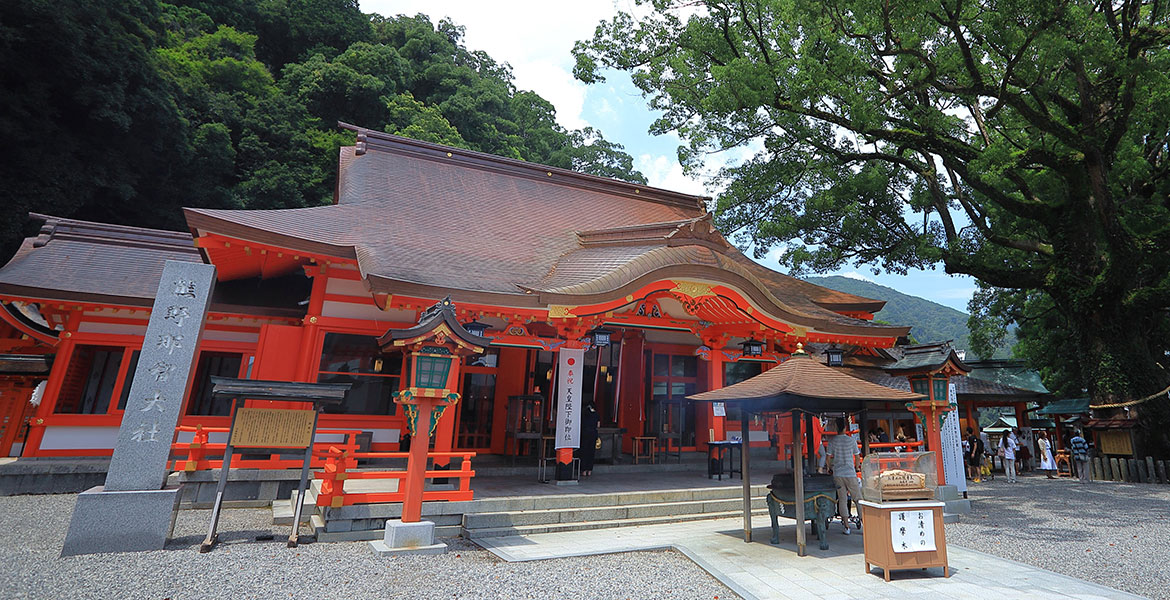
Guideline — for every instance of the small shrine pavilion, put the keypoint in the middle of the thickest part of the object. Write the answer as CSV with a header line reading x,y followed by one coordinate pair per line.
x,y
534,258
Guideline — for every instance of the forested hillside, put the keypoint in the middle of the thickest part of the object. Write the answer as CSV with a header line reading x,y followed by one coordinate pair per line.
x,y
126,111
932,322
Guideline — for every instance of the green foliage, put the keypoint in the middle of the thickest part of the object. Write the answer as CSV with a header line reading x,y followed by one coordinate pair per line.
x,y
143,107
1027,145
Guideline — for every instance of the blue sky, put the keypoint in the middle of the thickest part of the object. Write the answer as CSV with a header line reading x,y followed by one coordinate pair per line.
x,y
536,39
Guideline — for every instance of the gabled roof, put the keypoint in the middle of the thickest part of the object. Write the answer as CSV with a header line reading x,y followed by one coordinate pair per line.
x,y
84,261
1009,372
927,358
965,385
426,220
1066,406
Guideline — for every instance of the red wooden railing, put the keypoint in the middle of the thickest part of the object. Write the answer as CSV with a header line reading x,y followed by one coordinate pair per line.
x,y
199,449
339,466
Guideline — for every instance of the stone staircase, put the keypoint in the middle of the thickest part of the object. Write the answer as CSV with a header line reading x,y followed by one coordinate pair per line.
x,y
523,515
574,512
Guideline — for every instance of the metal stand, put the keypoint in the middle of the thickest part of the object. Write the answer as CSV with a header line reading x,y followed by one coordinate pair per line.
x,y
293,538
264,432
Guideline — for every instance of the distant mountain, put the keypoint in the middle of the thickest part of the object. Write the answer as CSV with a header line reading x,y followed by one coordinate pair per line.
x,y
931,321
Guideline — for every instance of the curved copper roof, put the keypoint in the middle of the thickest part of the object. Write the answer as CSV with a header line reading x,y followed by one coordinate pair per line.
x,y
428,220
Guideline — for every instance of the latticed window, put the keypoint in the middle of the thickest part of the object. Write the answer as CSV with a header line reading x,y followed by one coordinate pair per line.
x,y
374,376
431,371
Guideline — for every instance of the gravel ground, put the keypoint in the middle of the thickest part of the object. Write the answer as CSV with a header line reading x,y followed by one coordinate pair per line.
x,y
240,567
1114,534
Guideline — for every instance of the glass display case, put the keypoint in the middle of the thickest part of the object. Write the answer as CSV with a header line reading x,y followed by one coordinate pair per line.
x,y
887,476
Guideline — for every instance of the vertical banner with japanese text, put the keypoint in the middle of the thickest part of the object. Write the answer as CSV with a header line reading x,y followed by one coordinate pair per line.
x,y
570,368
952,444
164,367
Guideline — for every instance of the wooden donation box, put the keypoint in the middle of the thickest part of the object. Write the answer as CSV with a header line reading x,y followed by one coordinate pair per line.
x,y
903,523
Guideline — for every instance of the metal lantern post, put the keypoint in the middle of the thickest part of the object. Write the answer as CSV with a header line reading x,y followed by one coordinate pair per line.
x,y
436,347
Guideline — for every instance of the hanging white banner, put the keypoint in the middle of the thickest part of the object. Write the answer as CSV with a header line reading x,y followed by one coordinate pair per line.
x,y
952,444
570,369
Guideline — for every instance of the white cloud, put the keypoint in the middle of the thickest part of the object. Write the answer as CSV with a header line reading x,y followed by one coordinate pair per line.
x,y
664,172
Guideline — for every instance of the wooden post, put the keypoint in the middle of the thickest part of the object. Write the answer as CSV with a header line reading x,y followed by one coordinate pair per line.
x,y
1153,475
1162,472
809,447
798,482
863,428
416,465
745,474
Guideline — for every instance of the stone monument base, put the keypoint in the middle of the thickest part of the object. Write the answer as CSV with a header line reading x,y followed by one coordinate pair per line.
x,y
128,521
408,538
954,503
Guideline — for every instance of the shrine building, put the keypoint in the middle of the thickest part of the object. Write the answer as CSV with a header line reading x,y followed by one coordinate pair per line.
x,y
535,258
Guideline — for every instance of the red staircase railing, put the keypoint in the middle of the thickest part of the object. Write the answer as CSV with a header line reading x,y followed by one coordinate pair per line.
x,y
339,465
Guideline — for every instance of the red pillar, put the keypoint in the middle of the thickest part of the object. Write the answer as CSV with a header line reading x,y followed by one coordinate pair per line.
x,y
416,466
36,429
932,412
714,382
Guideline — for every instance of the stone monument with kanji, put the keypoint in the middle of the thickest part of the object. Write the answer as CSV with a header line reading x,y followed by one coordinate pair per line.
x,y
134,511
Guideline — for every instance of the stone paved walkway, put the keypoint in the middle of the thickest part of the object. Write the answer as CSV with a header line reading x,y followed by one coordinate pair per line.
x,y
760,570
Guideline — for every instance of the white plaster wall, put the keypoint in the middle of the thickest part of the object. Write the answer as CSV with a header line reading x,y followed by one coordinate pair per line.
x,y
78,438
115,328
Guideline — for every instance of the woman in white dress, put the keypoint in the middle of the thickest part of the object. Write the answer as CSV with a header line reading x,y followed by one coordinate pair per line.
x,y
1047,464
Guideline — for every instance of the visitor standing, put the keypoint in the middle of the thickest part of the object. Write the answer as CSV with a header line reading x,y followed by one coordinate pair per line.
x,y
589,440
974,455
1080,454
1024,453
1047,463
842,450
1007,451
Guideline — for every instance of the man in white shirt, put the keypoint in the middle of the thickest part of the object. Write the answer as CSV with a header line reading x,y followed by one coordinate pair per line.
x,y
1008,445
842,450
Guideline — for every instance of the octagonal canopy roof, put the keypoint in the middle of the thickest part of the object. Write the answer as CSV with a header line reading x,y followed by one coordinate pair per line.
x,y
803,383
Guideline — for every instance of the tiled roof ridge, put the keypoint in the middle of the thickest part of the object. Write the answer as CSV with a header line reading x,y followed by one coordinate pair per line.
x,y
697,230
370,139
94,232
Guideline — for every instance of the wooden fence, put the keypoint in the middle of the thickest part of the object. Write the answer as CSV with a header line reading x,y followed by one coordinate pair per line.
x,y
1129,470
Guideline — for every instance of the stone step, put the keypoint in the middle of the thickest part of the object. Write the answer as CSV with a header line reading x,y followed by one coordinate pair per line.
x,y
547,502
603,513
960,506
282,510
608,524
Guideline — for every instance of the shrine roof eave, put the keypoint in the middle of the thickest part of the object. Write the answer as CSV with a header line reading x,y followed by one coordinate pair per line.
x,y
202,223
40,294
388,286
836,325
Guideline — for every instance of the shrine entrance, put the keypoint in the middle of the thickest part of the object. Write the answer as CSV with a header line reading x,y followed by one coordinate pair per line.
x,y
476,409
673,376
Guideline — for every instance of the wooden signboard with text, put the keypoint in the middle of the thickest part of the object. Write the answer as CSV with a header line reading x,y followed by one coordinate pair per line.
x,y
272,428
